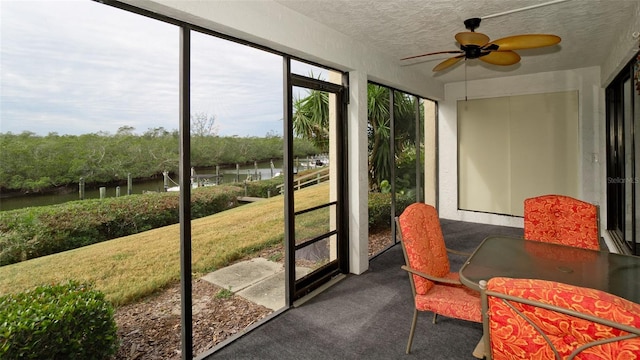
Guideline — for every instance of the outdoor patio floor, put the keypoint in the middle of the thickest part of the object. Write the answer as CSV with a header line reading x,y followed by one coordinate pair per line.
x,y
368,316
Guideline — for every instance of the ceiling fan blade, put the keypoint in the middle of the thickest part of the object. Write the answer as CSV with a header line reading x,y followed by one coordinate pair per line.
x,y
501,58
449,62
526,41
434,53
471,38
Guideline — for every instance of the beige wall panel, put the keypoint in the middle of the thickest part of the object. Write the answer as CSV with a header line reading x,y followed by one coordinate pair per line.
x,y
483,155
544,146
512,148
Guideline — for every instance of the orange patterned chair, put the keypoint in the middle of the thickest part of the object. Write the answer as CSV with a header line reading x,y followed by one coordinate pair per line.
x,y
434,287
562,220
539,319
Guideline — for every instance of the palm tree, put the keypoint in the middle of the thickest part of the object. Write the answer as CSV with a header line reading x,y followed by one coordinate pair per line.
x,y
380,153
311,121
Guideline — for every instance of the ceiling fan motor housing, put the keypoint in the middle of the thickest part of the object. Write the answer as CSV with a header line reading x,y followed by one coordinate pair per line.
x,y
472,23
472,51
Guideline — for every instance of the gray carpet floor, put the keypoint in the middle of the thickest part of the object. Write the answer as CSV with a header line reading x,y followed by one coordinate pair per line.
x,y
368,316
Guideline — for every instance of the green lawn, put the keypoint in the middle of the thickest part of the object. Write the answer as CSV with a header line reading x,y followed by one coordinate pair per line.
x,y
129,268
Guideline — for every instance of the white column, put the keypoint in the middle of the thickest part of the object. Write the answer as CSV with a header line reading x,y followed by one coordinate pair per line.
x,y
430,154
357,170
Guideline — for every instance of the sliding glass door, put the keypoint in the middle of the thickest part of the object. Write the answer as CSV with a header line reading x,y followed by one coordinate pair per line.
x,y
623,161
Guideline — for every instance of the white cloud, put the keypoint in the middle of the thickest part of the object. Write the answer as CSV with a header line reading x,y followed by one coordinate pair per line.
x,y
76,67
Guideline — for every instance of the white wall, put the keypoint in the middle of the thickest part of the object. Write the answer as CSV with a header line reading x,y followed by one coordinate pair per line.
x,y
625,47
590,82
591,143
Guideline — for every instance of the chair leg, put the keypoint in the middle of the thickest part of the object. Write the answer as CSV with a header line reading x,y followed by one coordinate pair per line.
x,y
413,328
435,316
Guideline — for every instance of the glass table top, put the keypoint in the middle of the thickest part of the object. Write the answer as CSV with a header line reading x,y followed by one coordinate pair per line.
x,y
518,258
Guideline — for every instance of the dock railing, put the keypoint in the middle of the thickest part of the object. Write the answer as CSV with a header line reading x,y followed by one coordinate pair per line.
x,y
313,178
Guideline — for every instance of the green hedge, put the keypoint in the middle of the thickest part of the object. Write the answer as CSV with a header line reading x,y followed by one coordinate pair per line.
x,y
264,188
33,232
68,321
380,208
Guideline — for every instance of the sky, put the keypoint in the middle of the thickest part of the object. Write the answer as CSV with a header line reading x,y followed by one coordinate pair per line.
x,y
78,66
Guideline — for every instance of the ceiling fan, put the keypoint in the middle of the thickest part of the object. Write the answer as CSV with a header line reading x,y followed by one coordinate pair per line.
x,y
475,45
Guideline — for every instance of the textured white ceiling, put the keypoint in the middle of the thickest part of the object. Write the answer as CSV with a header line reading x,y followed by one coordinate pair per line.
x,y
405,28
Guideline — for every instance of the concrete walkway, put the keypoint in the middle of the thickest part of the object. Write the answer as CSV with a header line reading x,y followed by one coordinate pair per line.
x,y
258,280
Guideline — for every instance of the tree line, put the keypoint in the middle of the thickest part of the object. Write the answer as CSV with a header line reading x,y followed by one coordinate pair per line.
x,y
36,163
33,163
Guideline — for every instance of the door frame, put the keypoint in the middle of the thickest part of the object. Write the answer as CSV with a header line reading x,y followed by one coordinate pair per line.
x,y
295,289
617,179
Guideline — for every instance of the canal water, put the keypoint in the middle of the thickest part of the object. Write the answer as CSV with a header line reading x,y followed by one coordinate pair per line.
x,y
263,171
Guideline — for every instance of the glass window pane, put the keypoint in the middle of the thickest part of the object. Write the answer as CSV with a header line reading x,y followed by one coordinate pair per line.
x,y
314,223
379,155
239,86
316,72
405,153
86,94
314,256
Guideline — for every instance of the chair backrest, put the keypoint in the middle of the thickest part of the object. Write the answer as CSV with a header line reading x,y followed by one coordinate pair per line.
x,y
562,220
423,244
529,318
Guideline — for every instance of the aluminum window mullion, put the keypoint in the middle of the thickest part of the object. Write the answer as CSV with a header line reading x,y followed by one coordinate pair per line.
x,y
185,195
314,84
289,219
418,132
315,239
392,167
315,208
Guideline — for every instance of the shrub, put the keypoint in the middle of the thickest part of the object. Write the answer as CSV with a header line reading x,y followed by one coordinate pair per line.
x,y
404,200
38,231
264,188
210,200
66,321
380,208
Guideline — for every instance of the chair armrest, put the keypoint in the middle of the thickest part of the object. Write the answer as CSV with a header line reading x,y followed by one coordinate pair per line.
x,y
456,252
429,277
561,313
